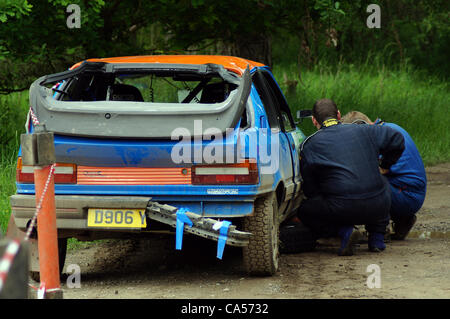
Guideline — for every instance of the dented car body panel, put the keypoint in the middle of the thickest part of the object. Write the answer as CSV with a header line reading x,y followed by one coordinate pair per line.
x,y
251,150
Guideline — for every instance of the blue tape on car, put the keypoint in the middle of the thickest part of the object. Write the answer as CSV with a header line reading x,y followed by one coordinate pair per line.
x,y
181,220
223,236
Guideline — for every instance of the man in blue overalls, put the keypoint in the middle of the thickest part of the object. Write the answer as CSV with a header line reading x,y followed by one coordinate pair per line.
x,y
342,181
407,179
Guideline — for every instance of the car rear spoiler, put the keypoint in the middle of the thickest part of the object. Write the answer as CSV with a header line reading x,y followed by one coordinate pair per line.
x,y
129,119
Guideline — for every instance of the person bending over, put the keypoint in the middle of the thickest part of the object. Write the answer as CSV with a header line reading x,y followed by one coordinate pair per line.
x,y
341,178
407,179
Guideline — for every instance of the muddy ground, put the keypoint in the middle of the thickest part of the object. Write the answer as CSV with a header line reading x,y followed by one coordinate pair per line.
x,y
418,267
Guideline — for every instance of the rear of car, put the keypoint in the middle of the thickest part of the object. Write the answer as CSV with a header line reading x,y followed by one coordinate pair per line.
x,y
179,130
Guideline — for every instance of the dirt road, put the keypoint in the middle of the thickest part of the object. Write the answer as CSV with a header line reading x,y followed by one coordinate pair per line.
x,y
418,267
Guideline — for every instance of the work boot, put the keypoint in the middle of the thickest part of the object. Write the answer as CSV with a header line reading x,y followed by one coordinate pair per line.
x,y
349,238
364,239
402,227
376,242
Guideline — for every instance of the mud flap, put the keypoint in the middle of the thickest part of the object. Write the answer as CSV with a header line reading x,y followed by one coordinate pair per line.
x,y
201,226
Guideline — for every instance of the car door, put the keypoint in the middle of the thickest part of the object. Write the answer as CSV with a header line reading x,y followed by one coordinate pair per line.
x,y
281,119
294,135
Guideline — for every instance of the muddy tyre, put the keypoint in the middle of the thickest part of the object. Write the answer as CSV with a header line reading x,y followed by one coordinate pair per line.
x,y
62,250
261,255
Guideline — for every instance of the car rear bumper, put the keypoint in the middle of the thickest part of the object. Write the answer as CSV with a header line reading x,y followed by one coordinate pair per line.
x,y
72,210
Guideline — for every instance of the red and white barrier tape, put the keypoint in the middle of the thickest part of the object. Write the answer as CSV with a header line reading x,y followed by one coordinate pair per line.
x,y
39,206
34,118
6,262
31,117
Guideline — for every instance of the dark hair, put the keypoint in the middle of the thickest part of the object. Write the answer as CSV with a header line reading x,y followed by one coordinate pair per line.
x,y
324,109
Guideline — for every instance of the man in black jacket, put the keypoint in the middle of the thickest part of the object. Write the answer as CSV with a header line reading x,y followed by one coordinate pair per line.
x,y
340,168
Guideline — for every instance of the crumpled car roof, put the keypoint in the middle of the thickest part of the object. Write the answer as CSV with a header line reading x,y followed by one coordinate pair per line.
x,y
234,64
138,119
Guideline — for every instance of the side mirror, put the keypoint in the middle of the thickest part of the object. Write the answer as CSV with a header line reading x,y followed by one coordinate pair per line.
x,y
302,114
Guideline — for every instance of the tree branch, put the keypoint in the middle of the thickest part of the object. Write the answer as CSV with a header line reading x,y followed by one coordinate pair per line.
x,y
9,91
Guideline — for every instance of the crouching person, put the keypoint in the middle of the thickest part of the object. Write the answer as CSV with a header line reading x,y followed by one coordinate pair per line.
x,y
341,178
407,179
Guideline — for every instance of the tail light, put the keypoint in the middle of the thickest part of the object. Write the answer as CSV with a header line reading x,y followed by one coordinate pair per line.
x,y
241,173
64,173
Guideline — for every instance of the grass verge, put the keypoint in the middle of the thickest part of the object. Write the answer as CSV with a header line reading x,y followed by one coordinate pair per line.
x,y
403,96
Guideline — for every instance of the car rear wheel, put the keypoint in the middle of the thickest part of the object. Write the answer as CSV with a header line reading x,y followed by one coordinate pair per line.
x,y
62,250
260,257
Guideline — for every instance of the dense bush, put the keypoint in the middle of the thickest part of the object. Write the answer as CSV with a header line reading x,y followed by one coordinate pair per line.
x,y
13,110
409,98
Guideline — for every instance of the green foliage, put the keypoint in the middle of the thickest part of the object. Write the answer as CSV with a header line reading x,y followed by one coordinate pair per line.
x,y
41,42
13,8
328,9
13,111
7,188
415,33
35,39
409,98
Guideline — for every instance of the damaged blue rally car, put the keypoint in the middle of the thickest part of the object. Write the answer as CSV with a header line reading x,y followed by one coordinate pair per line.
x,y
201,144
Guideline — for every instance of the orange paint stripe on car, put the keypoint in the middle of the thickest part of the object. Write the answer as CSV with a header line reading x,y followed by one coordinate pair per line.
x,y
87,175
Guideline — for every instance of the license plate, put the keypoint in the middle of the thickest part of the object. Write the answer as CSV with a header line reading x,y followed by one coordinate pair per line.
x,y
116,218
